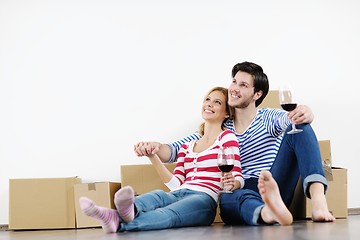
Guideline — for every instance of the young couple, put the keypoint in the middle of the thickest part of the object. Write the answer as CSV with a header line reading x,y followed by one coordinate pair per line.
x,y
194,184
271,161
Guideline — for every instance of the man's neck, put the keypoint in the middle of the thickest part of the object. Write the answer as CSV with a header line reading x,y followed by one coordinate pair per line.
x,y
243,118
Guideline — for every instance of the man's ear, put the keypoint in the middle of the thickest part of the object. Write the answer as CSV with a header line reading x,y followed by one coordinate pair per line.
x,y
258,94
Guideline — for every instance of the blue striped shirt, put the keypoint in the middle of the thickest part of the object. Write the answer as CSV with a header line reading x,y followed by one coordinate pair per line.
x,y
259,143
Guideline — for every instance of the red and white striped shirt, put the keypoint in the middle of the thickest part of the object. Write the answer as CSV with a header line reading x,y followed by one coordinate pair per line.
x,y
199,171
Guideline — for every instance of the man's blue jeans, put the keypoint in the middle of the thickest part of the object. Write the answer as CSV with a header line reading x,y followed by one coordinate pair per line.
x,y
298,156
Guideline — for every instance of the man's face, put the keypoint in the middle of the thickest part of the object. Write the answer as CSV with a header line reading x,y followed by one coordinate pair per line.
x,y
241,90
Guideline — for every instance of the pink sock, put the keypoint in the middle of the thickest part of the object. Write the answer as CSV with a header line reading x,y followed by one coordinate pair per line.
x,y
124,203
109,218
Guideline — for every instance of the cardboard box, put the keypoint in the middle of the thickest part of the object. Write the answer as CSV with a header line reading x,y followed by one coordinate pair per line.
x,y
336,197
102,193
143,177
42,203
325,151
271,100
217,217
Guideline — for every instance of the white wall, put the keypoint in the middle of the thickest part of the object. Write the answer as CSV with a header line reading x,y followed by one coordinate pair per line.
x,y
82,81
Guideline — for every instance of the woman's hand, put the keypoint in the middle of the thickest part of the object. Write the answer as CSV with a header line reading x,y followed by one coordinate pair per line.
x,y
146,148
228,181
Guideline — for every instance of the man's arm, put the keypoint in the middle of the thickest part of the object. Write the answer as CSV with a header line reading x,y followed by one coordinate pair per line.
x,y
166,152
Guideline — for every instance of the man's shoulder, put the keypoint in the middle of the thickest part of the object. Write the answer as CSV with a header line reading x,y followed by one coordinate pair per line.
x,y
270,111
229,124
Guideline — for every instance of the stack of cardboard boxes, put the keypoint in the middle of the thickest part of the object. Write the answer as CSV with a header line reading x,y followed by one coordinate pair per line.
x,y
53,203
42,203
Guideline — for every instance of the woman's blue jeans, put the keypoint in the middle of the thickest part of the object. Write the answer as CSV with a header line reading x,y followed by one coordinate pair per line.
x,y
161,210
298,156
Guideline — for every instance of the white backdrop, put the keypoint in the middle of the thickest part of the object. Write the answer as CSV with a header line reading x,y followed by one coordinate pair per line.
x,y
81,81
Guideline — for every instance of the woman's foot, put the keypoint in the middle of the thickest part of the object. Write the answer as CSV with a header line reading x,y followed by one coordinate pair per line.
x,y
108,217
124,203
274,209
320,211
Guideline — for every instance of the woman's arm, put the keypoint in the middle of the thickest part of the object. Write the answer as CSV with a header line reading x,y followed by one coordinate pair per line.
x,y
164,173
234,179
163,151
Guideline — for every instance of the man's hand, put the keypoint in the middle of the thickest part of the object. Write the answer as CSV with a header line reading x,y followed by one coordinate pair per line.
x,y
301,114
146,148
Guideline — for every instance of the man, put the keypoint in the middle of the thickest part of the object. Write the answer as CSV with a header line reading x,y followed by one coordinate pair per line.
x,y
264,147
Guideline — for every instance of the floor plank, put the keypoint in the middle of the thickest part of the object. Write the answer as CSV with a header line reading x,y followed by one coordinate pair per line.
x,y
341,229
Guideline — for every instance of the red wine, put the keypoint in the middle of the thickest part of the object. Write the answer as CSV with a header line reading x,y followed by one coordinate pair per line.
x,y
226,168
289,106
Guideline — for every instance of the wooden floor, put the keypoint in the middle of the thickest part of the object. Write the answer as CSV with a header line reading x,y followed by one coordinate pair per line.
x,y
342,229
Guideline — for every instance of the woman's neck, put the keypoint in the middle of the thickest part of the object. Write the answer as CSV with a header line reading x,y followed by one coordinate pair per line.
x,y
211,132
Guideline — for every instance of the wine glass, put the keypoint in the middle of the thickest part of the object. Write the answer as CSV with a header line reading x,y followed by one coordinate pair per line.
x,y
288,103
225,161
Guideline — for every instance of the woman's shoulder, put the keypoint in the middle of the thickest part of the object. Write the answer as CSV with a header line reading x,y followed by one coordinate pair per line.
x,y
226,133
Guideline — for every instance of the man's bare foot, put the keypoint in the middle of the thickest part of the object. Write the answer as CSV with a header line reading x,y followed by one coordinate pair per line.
x,y
320,211
274,210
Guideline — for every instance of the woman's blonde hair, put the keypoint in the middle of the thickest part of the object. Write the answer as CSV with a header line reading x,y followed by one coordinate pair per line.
x,y
229,110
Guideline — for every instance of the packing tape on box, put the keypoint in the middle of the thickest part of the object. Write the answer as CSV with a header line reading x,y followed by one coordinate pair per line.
x,y
327,169
91,187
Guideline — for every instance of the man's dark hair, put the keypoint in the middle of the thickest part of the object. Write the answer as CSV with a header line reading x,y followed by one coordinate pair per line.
x,y
260,79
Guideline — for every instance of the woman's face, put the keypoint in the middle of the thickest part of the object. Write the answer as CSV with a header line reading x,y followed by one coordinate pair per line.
x,y
214,107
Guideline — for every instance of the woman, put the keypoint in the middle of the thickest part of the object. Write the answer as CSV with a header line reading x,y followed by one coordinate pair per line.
x,y
194,185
